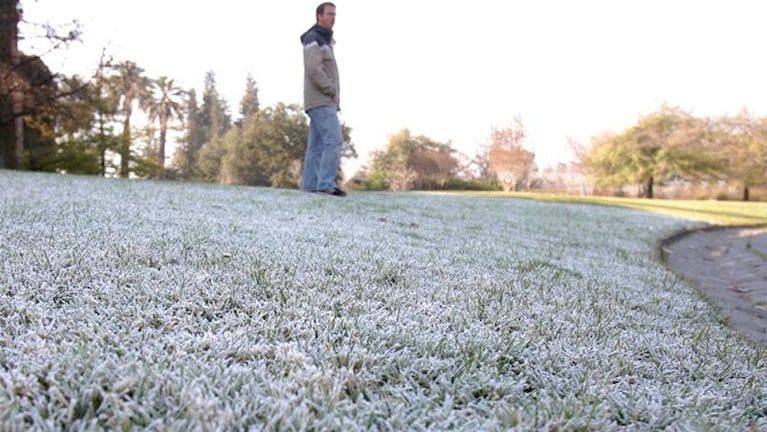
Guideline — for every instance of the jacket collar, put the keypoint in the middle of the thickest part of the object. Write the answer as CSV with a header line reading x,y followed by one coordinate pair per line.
x,y
325,33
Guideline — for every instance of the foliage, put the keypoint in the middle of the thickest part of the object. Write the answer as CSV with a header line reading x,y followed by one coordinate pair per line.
x,y
211,155
185,159
129,85
364,180
214,119
238,162
568,177
82,155
214,123
55,123
267,151
666,144
512,163
410,162
472,185
513,167
165,105
249,105
28,93
278,136
742,142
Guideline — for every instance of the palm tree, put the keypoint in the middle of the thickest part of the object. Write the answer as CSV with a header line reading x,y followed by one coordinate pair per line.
x,y
166,105
131,85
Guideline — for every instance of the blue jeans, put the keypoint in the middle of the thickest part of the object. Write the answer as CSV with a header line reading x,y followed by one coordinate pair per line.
x,y
323,151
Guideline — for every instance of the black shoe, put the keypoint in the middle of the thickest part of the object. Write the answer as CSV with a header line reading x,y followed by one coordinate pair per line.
x,y
335,192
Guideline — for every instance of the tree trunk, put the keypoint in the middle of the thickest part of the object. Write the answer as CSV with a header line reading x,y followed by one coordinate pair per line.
x,y
125,144
11,135
161,149
102,145
745,192
648,192
17,96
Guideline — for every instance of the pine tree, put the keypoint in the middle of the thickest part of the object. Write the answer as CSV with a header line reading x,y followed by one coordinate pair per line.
x,y
249,104
214,122
185,158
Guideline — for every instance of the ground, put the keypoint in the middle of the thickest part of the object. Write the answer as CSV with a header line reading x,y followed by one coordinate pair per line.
x,y
729,266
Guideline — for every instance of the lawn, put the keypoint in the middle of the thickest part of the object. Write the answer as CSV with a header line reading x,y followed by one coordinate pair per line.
x,y
165,306
710,211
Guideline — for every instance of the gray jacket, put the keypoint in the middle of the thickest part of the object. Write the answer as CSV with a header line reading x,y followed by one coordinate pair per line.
x,y
321,85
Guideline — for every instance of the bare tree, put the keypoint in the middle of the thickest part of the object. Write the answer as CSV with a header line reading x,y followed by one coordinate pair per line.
x,y
433,168
513,164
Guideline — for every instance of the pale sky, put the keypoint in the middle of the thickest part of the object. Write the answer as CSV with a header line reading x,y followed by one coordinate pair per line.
x,y
449,70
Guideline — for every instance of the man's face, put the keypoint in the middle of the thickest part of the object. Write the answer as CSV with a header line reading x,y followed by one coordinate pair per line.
x,y
327,18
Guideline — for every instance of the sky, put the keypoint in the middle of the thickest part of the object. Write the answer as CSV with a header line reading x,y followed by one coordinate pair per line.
x,y
449,70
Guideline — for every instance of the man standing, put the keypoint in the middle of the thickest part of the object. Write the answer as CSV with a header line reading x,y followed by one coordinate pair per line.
x,y
322,103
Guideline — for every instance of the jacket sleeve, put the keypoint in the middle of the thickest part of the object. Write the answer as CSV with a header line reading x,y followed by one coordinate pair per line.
x,y
313,64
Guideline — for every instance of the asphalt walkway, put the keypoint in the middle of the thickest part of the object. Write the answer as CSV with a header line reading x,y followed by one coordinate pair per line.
x,y
729,266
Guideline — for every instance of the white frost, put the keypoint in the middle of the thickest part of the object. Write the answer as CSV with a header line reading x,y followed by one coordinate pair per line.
x,y
165,306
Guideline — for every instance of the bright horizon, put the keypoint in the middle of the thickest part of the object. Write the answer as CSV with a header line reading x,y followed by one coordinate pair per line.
x,y
450,72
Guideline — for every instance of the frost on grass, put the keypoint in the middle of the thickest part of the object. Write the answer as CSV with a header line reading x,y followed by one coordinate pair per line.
x,y
173,307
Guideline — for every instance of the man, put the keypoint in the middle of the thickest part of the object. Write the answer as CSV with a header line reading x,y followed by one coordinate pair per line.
x,y
322,103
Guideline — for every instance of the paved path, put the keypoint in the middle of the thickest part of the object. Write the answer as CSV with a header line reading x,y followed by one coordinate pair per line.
x,y
729,265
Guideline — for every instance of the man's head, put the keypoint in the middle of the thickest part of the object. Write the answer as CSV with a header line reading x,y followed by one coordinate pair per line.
x,y
326,15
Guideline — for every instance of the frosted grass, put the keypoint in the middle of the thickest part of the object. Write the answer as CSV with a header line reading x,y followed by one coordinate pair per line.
x,y
160,306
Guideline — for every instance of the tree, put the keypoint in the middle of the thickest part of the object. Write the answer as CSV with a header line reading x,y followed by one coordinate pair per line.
x,y
512,163
433,167
78,150
209,161
35,128
276,140
28,93
11,96
214,122
105,101
662,145
214,118
389,166
605,161
249,103
132,86
744,141
239,164
566,177
185,159
512,166
665,144
85,121
165,105
480,166
268,149
410,162
77,113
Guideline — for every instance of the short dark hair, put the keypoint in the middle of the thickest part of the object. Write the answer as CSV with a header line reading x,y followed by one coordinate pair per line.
x,y
321,8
